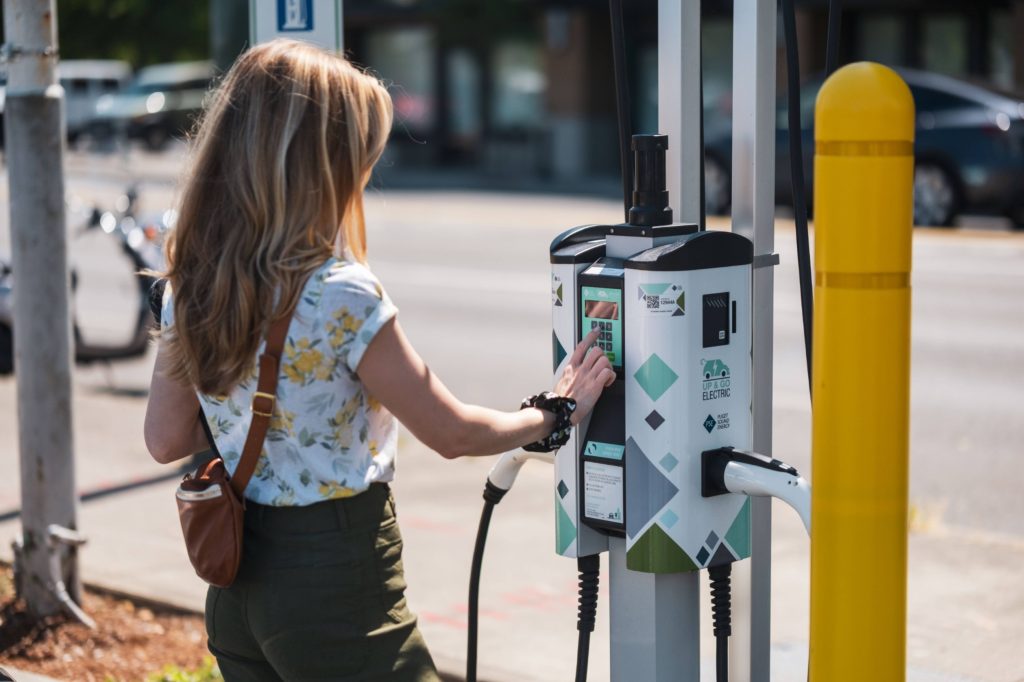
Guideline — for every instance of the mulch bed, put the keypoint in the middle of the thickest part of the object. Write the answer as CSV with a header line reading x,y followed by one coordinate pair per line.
x,y
130,643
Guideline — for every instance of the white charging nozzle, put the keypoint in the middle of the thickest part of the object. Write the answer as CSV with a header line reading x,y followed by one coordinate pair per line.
x,y
503,473
725,470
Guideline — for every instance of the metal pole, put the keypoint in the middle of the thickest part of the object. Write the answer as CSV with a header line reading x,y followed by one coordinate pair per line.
x,y
229,31
42,327
655,618
753,214
655,622
679,113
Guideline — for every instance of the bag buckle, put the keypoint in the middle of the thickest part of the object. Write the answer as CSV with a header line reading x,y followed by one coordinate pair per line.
x,y
258,410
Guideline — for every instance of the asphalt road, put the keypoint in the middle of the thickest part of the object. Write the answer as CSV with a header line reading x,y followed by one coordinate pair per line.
x,y
469,273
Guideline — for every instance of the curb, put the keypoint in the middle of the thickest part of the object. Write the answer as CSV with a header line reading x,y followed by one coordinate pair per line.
x,y
16,675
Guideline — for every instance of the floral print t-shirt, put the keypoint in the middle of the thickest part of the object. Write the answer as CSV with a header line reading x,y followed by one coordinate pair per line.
x,y
328,438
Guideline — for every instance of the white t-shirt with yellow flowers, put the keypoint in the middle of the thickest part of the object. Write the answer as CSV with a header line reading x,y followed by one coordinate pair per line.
x,y
328,437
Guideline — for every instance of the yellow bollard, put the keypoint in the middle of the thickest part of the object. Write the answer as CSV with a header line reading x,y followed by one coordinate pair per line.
x,y
863,205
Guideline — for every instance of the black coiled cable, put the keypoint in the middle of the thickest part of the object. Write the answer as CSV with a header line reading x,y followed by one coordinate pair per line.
x,y
721,616
589,568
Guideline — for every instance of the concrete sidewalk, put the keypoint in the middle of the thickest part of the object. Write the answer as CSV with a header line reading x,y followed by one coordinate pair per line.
x,y
965,599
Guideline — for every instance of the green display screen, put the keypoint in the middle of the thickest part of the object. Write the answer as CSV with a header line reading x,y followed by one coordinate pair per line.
x,y
601,311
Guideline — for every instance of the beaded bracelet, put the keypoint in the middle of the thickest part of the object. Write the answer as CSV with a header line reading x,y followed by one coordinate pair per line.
x,y
559,406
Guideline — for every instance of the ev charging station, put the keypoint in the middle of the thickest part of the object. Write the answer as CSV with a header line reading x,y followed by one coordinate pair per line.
x,y
691,345
672,473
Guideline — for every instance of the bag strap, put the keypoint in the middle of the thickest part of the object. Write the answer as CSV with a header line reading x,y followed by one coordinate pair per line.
x,y
263,401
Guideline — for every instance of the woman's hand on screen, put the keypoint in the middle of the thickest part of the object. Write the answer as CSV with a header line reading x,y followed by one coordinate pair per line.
x,y
586,375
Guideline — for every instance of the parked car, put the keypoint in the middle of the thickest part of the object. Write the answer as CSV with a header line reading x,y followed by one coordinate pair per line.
x,y
85,81
968,151
159,104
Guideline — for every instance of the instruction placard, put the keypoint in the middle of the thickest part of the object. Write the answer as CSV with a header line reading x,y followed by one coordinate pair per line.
x,y
603,499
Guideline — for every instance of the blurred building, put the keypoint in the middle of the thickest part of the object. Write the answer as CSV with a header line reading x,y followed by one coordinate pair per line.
x,y
510,89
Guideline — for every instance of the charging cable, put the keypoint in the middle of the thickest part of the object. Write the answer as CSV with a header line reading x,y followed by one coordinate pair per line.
x,y
721,616
727,470
499,481
589,568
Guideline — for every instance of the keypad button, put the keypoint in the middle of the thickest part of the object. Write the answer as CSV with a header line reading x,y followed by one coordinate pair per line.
x,y
594,325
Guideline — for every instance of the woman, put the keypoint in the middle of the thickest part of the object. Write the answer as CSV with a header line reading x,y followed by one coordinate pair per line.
x,y
271,225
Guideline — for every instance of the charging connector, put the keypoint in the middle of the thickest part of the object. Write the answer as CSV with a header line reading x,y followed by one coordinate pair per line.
x,y
726,470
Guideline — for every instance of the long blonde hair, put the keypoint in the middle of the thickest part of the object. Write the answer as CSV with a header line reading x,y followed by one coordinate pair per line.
x,y
281,158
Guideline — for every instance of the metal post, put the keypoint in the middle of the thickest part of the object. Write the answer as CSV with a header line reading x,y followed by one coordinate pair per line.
x,y
753,214
655,618
679,111
655,622
42,327
229,31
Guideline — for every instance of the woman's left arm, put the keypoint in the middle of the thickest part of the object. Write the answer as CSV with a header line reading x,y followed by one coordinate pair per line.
x,y
172,429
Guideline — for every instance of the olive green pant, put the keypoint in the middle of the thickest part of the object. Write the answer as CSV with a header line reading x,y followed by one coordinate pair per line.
x,y
320,595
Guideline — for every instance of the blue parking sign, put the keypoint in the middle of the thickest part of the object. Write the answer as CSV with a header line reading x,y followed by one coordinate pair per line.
x,y
294,15
313,21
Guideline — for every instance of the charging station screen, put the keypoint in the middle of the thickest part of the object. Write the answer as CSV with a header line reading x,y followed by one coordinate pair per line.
x,y
602,310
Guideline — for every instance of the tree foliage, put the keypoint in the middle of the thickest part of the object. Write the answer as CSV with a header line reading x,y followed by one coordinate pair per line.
x,y
140,32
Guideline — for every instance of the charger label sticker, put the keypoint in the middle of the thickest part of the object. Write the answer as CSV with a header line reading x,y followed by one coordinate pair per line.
x,y
603,492
662,299
603,450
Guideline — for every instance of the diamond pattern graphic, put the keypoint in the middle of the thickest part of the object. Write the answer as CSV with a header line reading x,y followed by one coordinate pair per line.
x,y
565,529
712,540
669,518
655,377
702,555
722,556
563,489
647,489
656,552
654,420
709,424
557,351
669,462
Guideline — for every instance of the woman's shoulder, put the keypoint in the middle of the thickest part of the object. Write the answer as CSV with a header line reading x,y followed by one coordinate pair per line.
x,y
346,279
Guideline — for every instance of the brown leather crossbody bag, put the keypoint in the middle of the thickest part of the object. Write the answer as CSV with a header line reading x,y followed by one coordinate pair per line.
x,y
211,503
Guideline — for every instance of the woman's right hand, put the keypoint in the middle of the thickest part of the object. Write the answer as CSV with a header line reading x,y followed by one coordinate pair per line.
x,y
586,375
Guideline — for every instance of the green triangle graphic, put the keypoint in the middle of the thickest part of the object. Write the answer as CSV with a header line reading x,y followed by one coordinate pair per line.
x,y
557,352
656,552
559,292
738,536
565,530
654,289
